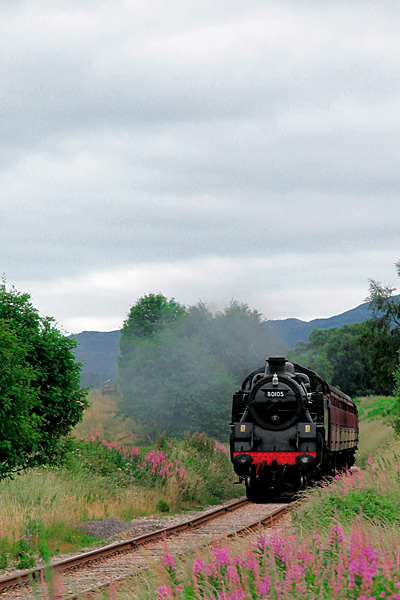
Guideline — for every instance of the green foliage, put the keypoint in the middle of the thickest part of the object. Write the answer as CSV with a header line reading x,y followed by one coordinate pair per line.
x,y
41,510
242,340
381,342
97,459
163,506
194,470
374,506
23,553
199,442
381,336
338,355
373,408
40,396
209,471
176,385
179,370
396,411
34,544
375,436
361,358
150,315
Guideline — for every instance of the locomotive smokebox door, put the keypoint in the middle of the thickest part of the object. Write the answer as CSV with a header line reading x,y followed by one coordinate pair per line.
x,y
243,437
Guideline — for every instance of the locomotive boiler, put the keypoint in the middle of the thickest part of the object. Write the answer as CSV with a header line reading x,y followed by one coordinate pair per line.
x,y
289,429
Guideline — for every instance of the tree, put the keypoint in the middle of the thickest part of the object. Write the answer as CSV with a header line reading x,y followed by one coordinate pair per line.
x,y
312,354
381,337
351,371
40,395
147,317
178,371
174,383
337,354
242,340
396,376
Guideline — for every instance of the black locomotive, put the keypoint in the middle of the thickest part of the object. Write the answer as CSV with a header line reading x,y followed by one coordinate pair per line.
x,y
290,428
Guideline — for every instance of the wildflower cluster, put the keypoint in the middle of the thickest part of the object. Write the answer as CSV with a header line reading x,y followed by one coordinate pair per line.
x,y
196,469
219,448
285,568
126,453
157,464
130,454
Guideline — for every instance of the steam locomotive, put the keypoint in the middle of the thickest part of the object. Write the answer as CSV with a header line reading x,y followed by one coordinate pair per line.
x,y
289,429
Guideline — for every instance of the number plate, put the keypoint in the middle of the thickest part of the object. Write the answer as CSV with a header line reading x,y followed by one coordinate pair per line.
x,y
274,393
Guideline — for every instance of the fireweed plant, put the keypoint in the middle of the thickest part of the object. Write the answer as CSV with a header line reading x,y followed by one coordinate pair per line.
x,y
344,544
195,470
283,566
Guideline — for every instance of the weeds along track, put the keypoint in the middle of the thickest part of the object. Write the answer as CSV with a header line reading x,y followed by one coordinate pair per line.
x,y
92,570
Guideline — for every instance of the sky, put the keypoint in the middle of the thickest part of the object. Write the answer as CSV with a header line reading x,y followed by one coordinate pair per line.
x,y
209,150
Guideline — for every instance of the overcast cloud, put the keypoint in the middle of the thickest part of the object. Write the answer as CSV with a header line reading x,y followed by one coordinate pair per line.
x,y
205,149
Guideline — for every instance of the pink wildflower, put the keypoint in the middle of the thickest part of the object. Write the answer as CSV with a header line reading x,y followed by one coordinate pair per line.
x,y
169,562
221,556
164,591
198,566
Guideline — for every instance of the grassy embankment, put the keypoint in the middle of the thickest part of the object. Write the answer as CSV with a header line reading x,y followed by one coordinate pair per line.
x,y
111,470
344,541
331,552
376,432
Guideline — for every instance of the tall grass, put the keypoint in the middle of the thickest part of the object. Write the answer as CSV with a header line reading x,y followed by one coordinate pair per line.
x,y
53,504
103,417
374,437
344,544
372,491
190,472
376,408
376,431
43,508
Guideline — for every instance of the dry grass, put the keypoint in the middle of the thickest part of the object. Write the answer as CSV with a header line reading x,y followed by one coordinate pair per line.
x,y
374,436
102,416
60,501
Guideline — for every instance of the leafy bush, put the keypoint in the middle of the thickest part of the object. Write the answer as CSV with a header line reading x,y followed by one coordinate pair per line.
x,y
40,396
163,506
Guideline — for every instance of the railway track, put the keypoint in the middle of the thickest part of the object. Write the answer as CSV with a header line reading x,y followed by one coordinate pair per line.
x,y
91,571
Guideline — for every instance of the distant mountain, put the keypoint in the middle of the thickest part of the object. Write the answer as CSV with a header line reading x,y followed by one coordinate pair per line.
x,y
293,330
98,350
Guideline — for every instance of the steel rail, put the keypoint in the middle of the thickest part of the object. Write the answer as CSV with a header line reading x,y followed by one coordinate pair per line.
x,y
75,561
267,521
